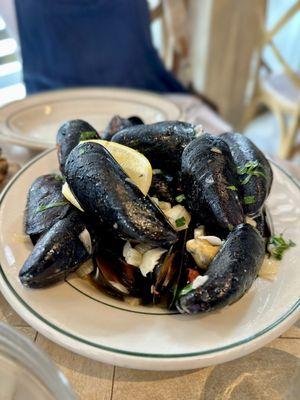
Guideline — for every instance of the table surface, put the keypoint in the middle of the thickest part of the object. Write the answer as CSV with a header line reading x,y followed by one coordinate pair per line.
x,y
273,372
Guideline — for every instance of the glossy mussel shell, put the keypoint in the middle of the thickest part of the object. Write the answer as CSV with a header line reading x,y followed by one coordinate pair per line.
x,y
108,195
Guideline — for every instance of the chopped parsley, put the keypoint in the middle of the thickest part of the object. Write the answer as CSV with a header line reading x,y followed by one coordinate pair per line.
x,y
251,168
230,227
180,222
278,245
188,288
86,135
249,200
58,178
180,198
81,151
44,207
231,187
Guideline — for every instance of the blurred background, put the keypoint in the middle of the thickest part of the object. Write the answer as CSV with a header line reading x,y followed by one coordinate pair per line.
x,y
240,58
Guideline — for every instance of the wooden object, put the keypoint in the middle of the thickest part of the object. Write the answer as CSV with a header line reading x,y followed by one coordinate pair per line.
x,y
280,92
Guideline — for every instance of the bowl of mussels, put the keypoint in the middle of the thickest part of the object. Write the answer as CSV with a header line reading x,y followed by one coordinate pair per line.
x,y
165,216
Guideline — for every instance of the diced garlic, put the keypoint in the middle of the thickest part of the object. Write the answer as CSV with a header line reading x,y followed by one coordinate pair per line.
x,y
164,206
251,221
176,213
199,231
199,281
151,259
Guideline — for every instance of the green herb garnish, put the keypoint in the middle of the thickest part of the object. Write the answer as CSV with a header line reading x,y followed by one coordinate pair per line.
x,y
230,227
180,222
188,288
249,200
88,135
44,207
81,151
250,169
59,178
231,187
278,245
180,198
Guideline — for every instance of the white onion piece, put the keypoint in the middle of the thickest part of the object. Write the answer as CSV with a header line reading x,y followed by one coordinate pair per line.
x,y
150,260
199,231
132,256
199,281
177,212
142,247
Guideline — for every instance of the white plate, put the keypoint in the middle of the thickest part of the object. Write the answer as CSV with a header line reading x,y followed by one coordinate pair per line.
x,y
84,320
34,121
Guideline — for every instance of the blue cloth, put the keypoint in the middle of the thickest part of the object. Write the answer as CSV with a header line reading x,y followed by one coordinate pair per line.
x,y
67,43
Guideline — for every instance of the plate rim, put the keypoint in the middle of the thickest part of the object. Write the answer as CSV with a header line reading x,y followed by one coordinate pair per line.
x,y
35,319
11,137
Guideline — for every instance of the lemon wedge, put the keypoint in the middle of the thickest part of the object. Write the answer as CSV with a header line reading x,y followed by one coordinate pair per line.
x,y
135,164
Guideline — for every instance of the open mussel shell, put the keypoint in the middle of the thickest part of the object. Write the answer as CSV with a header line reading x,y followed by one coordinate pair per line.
x,y
229,275
45,205
117,278
68,137
170,273
111,199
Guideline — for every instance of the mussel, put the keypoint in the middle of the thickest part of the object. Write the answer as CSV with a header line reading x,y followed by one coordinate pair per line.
x,y
45,205
107,194
61,250
230,274
69,135
254,171
209,182
118,123
162,143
